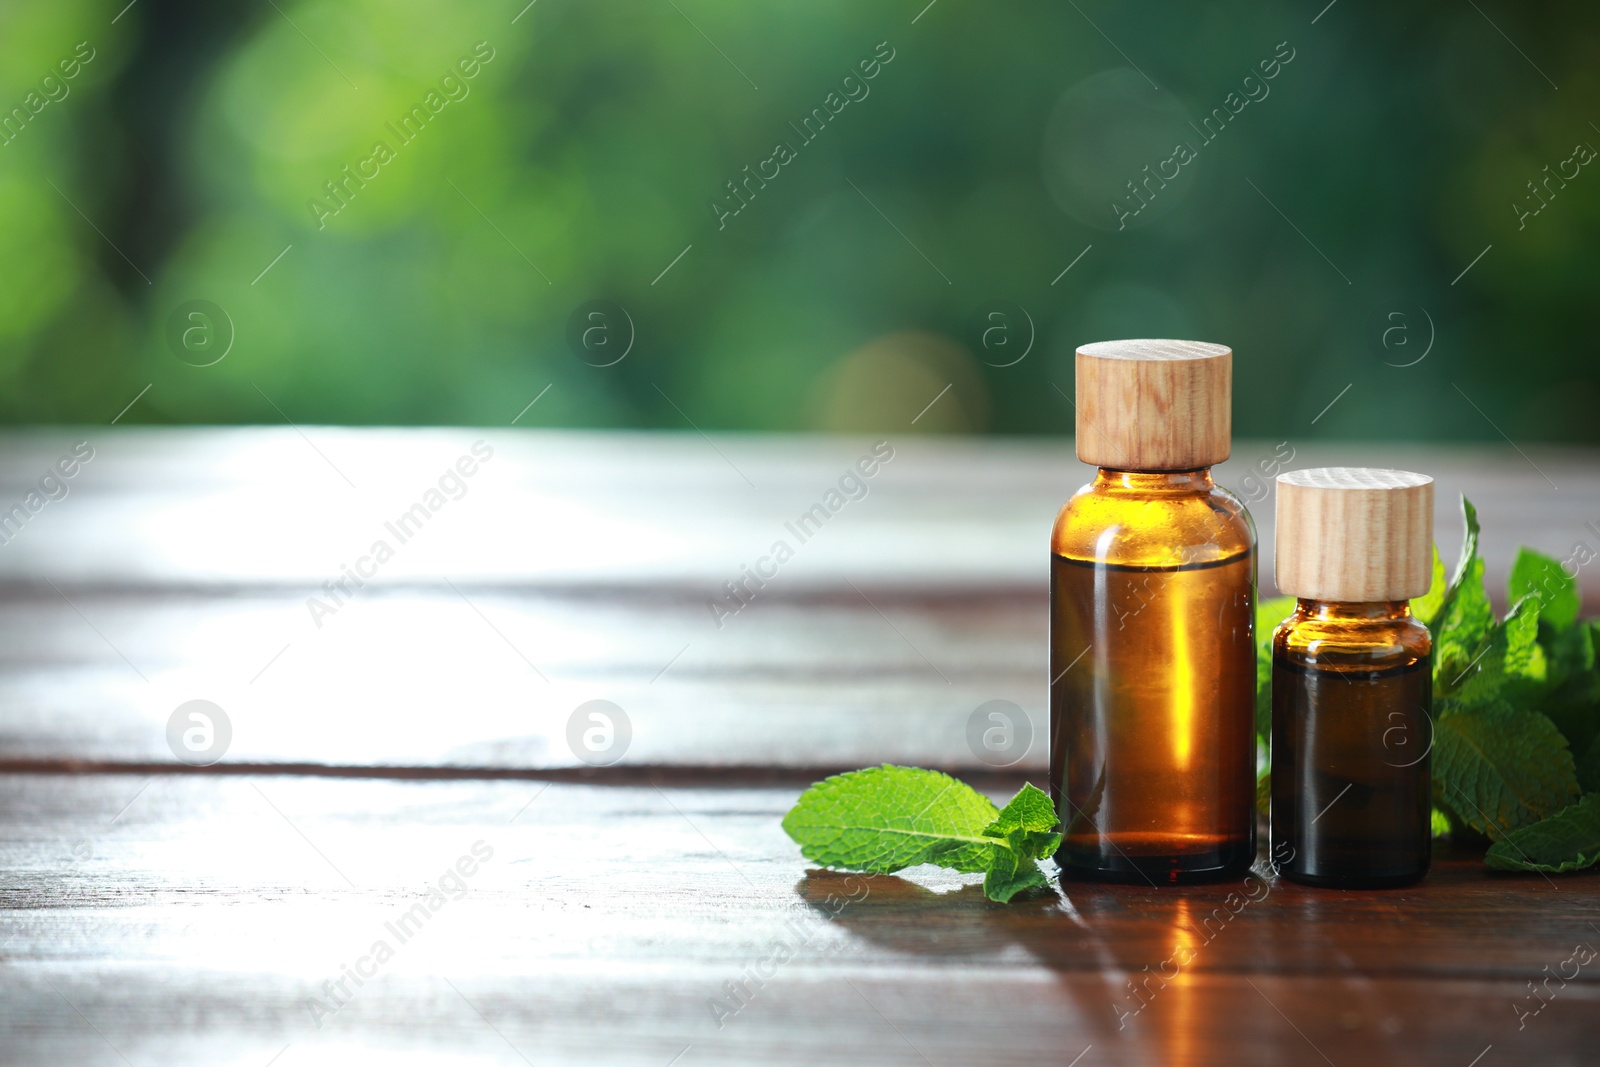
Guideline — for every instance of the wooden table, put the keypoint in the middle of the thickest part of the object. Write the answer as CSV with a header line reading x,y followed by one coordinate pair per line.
x,y
400,771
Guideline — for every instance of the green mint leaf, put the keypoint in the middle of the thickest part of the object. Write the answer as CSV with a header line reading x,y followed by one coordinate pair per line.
x,y
1569,840
1578,649
1426,606
1572,696
1010,872
1459,634
1508,653
1500,768
1589,767
1025,824
1464,617
1573,705
1537,575
1446,823
1440,822
1034,845
1030,809
1524,659
884,819
1269,613
1570,652
1469,549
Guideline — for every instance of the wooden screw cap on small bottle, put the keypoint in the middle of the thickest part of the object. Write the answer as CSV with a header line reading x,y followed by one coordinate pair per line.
x,y
1154,405
1354,534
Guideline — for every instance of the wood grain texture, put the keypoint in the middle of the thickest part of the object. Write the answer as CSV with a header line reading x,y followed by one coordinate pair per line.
x,y
1354,534
192,920
262,508
488,678
181,564
1152,405
186,918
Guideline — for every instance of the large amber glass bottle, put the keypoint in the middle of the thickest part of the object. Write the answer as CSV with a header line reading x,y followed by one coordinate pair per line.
x,y
1352,679
1152,661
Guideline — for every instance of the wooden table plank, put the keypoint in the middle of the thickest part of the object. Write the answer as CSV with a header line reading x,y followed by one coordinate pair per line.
x,y
250,507
422,679
177,918
190,919
182,565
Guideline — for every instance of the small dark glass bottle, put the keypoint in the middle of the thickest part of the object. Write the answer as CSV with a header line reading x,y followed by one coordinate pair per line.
x,y
1152,660
1352,680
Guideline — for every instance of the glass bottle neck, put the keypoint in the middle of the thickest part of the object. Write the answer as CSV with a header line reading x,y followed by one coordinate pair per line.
x,y
1363,610
1191,481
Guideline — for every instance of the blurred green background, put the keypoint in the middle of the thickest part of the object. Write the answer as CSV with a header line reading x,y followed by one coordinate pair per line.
x,y
1323,232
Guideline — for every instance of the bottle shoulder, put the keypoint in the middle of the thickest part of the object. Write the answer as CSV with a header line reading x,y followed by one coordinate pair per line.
x,y
1135,528
1357,644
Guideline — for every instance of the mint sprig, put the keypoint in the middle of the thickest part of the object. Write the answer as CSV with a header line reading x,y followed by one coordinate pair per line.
x,y
1516,750
1027,824
885,819
1512,700
1567,841
1515,701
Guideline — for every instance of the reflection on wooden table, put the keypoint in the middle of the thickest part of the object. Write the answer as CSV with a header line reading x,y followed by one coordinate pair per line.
x,y
644,907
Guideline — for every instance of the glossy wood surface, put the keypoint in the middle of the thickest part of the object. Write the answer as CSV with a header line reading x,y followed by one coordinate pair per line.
x,y
153,913
194,919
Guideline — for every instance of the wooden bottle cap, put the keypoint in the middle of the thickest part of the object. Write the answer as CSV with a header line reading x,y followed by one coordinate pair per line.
x,y
1354,534
1154,405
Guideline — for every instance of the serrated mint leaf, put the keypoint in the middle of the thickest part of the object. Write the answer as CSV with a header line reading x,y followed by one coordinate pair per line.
x,y
1030,809
1426,606
1508,653
1538,575
1011,873
1469,546
884,819
1524,659
1500,768
1459,635
1269,613
1569,840
1026,823
1465,615
1033,844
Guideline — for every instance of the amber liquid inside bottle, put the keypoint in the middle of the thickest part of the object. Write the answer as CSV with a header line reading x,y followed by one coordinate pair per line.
x,y
1352,689
1152,739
